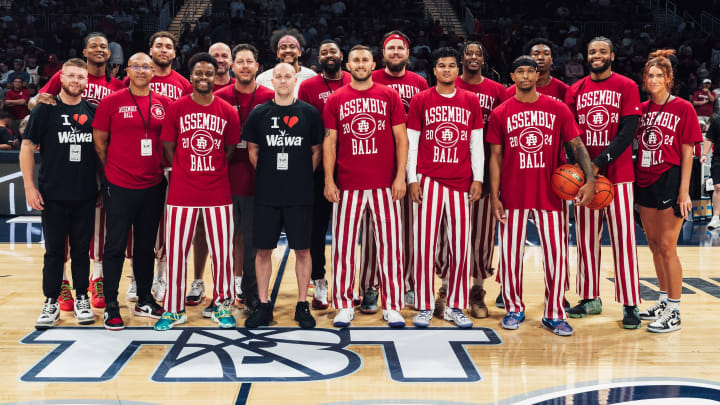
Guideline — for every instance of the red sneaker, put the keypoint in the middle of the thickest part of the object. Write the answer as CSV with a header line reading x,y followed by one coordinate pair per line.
x,y
66,300
97,291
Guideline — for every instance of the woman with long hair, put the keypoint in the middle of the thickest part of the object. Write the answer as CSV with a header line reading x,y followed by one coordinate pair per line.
x,y
666,135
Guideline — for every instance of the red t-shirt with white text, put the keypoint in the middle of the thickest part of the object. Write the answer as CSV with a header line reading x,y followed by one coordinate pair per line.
x,y
406,85
365,141
173,85
555,89
490,94
97,88
317,89
705,110
127,165
532,135
660,136
598,107
242,173
199,169
445,124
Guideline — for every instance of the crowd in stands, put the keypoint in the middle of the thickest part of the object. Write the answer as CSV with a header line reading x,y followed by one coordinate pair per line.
x,y
40,34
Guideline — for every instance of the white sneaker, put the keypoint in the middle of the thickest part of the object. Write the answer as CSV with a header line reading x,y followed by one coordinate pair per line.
x,y
714,223
238,287
320,294
196,294
83,311
158,288
393,318
131,293
50,314
422,319
344,317
457,316
669,321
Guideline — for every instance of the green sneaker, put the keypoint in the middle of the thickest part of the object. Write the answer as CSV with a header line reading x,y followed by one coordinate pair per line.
x,y
170,319
631,317
585,308
223,315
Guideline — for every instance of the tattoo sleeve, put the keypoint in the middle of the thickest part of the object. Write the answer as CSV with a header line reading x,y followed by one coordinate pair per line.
x,y
582,157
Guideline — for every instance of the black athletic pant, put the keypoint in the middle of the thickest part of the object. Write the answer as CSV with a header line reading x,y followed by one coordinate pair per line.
x,y
63,220
141,210
322,210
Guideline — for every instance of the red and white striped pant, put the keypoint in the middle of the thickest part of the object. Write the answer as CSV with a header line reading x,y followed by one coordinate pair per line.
x,y
180,225
448,208
551,231
482,237
369,271
620,217
385,216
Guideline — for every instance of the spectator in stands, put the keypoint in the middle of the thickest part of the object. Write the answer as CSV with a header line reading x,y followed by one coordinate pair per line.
x,y
19,71
33,70
16,99
7,140
50,68
574,69
237,9
703,100
4,74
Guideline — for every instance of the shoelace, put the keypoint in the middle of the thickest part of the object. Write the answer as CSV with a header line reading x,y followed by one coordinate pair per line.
x,y
48,308
665,316
65,293
82,304
99,288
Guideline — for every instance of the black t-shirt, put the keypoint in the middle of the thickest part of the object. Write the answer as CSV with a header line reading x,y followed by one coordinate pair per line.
x,y
285,136
6,136
713,133
68,163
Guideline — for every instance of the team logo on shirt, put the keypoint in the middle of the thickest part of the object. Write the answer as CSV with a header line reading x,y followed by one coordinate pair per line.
x,y
447,135
157,111
363,126
201,143
652,139
598,118
531,143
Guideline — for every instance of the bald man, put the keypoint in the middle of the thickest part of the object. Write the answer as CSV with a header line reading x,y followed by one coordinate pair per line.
x,y
223,55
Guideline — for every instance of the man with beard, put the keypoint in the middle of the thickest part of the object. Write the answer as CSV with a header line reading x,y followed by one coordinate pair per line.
x,y
288,46
67,188
223,55
99,85
199,136
482,223
126,132
530,149
396,56
541,50
445,172
365,138
316,91
607,107
244,96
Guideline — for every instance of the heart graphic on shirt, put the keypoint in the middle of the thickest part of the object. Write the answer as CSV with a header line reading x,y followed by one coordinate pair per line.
x,y
81,118
290,121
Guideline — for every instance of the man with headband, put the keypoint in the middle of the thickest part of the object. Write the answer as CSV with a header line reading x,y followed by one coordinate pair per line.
x,y
527,134
396,56
288,46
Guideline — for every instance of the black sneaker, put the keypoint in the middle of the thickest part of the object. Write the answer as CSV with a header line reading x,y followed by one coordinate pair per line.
x,y
208,311
631,318
499,301
302,315
586,307
113,320
251,303
262,316
149,308
566,304
369,302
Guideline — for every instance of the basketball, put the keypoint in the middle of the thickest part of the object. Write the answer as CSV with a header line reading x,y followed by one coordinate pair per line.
x,y
605,193
566,181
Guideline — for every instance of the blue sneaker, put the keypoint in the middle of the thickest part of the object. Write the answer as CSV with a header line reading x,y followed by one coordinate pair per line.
x,y
422,319
559,327
223,315
170,319
512,320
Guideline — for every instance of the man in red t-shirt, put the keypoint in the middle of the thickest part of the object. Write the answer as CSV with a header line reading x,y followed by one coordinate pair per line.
x,y
541,50
199,135
100,84
396,57
244,95
607,107
223,55
316,91
445,172
16,99
703,100
126,131
366,142
527,133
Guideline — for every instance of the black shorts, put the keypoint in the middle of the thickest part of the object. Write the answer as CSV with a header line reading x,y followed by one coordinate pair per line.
x,y
663,193
269,221
715,167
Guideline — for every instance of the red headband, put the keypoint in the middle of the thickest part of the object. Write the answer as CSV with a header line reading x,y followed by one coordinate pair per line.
x,y
289,38
395,36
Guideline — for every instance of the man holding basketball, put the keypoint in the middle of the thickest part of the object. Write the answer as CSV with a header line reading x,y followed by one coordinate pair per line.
x,y
527,134
607,107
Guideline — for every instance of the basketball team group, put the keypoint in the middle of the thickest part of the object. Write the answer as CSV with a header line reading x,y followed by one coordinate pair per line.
x,y
226,162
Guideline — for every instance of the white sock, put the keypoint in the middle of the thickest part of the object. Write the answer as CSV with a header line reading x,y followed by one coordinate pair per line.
x,y
663,296
97,270
65,277
673,305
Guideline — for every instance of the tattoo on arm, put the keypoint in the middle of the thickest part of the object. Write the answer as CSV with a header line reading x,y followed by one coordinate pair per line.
x,y
581,156
327,133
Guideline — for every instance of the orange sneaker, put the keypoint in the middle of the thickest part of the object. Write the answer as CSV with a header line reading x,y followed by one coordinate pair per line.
x,y
66,300
97,291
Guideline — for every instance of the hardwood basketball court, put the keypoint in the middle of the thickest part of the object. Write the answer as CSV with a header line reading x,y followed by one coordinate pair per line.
x,y
367,363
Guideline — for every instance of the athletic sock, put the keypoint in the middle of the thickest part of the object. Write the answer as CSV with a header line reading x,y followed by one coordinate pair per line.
x,y
65,277
478,281
97,270
673,304
663,296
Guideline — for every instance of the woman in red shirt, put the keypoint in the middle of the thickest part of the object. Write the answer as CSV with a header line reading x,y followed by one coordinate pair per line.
x,y
667,132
